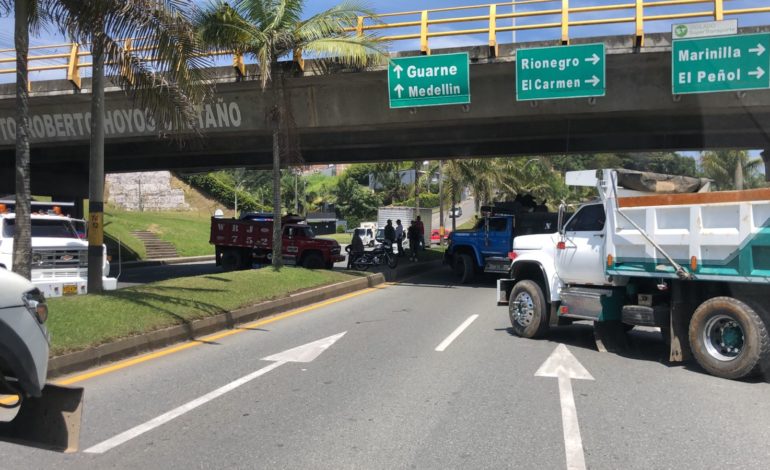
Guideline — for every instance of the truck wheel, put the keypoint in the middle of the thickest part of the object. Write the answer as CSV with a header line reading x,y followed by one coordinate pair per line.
x,y
464,268
313,261
231,260
729,339
528,310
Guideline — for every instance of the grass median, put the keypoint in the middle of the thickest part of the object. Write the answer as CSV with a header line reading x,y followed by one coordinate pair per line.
x,y
82,322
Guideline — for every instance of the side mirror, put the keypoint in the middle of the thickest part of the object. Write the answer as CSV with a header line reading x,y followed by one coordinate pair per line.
x,y
562,210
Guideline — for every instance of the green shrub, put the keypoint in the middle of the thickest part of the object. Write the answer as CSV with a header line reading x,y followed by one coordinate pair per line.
x,y
426,200
223,192
340,229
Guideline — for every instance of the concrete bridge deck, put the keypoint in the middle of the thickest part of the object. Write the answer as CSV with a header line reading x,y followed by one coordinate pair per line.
x,y
344,117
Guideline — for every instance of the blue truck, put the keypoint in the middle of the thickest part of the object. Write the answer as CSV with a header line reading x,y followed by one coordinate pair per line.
x,y
485,247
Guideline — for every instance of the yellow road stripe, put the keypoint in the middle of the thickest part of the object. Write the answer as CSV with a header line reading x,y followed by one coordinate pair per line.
x,y
213,337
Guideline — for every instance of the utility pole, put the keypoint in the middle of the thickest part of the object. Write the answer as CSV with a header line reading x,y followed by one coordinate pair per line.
x,y
417,187
441,202
296,194
96,167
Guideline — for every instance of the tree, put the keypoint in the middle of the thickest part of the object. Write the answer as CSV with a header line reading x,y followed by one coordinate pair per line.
x,y
355,202
169,87
731,169
269,30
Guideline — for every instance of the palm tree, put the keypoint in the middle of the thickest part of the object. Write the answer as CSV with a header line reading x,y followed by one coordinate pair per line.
x,y
731,169
26,14
269,30
169,85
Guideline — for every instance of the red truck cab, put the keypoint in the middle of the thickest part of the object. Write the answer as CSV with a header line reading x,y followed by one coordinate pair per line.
x,y
240,243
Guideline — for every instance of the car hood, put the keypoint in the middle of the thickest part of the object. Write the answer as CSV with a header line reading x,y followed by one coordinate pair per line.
x,y
13,286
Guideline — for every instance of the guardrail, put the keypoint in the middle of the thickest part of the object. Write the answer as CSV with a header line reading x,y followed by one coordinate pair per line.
x,y
422,25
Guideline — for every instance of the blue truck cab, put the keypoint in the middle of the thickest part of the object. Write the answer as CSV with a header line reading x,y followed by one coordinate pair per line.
x,y
485,247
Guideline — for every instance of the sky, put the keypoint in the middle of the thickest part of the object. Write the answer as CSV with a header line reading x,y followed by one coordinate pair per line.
x,y
390,6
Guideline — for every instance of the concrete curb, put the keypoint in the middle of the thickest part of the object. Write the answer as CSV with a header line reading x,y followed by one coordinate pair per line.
x,y
164,261
140,344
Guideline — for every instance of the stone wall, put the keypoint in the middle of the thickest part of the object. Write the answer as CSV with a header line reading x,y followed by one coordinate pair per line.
x,y
144,191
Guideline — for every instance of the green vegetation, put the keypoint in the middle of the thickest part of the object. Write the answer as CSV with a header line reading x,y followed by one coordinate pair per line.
x,y
82,322
342,238
187,231
220,186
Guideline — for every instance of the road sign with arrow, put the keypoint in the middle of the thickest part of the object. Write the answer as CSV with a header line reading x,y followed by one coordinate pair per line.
x,y
549,73
561,364
726,63
432,80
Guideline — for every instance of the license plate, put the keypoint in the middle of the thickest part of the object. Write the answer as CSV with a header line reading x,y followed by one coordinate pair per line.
x,y
70,289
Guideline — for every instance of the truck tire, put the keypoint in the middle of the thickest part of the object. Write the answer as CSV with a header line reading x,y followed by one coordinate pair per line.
x,y
729,338
231,260
313,261
528,310
464,268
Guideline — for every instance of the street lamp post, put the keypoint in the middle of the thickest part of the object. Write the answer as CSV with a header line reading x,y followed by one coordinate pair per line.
x,y
441,202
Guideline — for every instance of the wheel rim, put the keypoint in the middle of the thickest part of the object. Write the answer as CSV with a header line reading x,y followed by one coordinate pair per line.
x,y
724,338
523,309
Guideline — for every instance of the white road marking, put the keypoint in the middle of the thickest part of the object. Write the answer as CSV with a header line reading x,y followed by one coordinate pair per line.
x,y
445,344
564,366
305,353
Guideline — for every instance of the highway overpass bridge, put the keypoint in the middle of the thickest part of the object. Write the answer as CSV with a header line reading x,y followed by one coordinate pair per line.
x,y
345,117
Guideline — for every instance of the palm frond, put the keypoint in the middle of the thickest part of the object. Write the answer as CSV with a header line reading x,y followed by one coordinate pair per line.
x,y
351,51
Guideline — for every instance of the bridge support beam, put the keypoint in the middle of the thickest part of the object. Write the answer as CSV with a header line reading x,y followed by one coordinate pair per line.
x,y
766,158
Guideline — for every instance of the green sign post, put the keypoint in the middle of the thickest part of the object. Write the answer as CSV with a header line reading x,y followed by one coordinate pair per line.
x,y
431,80
724,63
550,73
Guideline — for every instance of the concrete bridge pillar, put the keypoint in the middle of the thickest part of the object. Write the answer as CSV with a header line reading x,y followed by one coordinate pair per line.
x,y
766,158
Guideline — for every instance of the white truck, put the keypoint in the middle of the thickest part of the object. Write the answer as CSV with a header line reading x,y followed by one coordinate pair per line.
x,y
59,249
654,250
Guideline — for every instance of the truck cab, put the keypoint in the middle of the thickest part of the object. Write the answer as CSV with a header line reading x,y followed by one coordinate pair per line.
x,y
485,248
654,251
59,250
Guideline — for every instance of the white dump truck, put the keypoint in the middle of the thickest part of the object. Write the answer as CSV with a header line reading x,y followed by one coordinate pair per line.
x,y
59,249
654,250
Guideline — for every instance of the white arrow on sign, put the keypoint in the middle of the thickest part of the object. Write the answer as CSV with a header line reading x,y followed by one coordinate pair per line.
x,y
759,50
398,69
398,89
594,59
564,366
759,73
594,80
304,353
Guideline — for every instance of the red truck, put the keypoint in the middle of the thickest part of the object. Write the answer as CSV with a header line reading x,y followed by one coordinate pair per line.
x,y
240,242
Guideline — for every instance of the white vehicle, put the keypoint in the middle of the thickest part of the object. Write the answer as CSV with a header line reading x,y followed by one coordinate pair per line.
x,y
23,335
59,250
654,251
367,231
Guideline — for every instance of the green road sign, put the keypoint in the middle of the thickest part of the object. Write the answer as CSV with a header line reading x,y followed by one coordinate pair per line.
x,y
724,63
429,80
551,73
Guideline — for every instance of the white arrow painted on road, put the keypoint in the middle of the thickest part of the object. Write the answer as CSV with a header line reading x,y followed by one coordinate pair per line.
x,y
759,50
594,80
398,69
305,353
564,366
759,73
398,89
594,59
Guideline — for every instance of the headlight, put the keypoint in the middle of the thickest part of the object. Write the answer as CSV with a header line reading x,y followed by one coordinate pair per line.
x,y
34,300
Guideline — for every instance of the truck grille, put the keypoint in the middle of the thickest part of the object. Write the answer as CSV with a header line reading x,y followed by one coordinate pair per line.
x,y
59,259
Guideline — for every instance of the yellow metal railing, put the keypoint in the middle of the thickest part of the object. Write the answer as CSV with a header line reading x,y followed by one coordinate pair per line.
x,y
425,25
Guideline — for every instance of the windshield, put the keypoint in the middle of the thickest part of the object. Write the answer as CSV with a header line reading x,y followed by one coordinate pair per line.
x,y
51,228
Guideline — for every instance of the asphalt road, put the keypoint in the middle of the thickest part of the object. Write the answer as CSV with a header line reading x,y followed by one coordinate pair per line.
x,y
382,397
468,212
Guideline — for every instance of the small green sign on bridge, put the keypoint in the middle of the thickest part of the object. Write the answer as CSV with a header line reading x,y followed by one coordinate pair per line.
x,y
726,63
431,80
550,73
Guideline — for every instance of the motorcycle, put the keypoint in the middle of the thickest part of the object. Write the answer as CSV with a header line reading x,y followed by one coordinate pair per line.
x,y
383,254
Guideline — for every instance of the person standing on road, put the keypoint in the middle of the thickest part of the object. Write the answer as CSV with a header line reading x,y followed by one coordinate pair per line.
x,y
390,232
413,234
400,237
421,233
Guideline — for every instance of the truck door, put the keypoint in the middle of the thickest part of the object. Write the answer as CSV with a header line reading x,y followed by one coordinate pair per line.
x,y
497,240
581,261
290,244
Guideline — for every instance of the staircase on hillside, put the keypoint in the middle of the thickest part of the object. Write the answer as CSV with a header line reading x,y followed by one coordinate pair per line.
x,y
154,246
